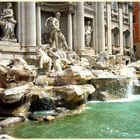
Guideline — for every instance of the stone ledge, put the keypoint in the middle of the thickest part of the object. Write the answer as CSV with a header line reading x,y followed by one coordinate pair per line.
x,y
6,46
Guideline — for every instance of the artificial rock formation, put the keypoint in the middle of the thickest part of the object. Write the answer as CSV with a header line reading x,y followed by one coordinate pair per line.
x,y
72,96
75,75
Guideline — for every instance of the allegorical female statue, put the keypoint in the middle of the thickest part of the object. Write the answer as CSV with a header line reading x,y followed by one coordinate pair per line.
x,y
88,32
7,23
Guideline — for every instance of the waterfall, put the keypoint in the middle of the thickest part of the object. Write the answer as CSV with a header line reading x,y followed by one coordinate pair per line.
x,y
130,89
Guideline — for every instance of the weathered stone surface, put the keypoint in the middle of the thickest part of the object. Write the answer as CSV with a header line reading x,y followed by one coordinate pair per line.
x,y
17,108
11,120
3,75
44,80
75,75
103,74
16,71
71,96
135,65
15,94
20,74
42,102
5,136
127,72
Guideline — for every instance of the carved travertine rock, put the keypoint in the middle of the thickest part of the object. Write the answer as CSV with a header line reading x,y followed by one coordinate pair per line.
x,y
75,75
15,94
73,95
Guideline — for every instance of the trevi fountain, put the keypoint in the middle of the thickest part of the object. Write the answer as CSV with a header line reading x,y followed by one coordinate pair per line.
x,y
64,93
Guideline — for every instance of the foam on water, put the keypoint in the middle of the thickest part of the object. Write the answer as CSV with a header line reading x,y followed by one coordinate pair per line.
x,y
133,98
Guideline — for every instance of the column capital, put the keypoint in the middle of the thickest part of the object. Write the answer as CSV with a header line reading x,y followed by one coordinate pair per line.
x,y
109,3
130,5
71,10
120,4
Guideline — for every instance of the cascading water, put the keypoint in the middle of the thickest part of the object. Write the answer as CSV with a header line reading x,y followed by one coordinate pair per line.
x,y
130,89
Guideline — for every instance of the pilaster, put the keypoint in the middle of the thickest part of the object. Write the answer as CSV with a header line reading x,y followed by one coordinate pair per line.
x,y
80,26
131,23
69,17
101,27
38,25
121,26
30,23
109,40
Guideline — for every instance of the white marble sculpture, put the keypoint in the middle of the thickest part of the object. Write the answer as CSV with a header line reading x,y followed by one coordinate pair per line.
x,y
7,23
88,32
57,39
44,59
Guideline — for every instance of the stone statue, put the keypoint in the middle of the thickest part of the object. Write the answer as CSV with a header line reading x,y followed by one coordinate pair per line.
x,y
56,59
132,55
8,23
88,32
102,59
57,39
44,59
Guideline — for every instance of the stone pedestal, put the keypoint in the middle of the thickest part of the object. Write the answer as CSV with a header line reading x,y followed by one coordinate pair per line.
x,y
9,50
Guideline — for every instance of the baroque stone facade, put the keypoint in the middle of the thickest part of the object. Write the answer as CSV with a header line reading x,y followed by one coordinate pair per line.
x,y
111,24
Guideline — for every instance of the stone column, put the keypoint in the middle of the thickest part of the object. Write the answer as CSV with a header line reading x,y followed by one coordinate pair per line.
x,y
96,28
109,36
30,23
93,28
101,27
19,22
74,22
70,29
121,27
38,24
131,25
22,18
80,26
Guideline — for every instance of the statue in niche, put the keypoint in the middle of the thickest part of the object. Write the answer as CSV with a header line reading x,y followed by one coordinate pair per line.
x,y
8,23
88,32
57,39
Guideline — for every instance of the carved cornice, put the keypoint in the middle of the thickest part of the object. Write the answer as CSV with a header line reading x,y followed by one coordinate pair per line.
x,y
109,3
57,6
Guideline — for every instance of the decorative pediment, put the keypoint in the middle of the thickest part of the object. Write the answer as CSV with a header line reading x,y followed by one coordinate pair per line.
x,y
127,32
116,30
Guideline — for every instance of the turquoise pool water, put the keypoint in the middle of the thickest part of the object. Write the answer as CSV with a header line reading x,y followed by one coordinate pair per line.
x,y
100,120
